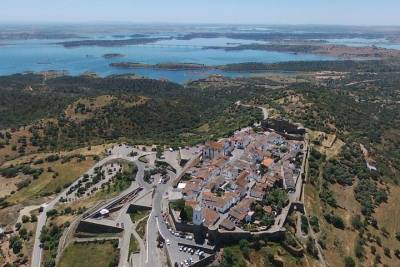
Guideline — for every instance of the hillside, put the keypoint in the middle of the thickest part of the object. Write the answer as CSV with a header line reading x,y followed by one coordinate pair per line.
x,y
352,120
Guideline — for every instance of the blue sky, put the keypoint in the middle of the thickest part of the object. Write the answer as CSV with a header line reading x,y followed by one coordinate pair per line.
x,y
354,12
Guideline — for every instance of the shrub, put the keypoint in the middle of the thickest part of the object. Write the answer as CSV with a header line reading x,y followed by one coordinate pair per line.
x,y
52,158
349,262
387,252
314,223
25,219
51,213
335,220
359,249
304,224
357,223
312,247
398,236
33,218
245,248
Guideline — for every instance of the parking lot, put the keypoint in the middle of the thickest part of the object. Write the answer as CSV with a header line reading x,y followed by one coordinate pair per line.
x,y
181,246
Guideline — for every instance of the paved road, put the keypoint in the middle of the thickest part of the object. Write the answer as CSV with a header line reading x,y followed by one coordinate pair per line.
x,y
152,259
118,153
142,255
263,109
148,255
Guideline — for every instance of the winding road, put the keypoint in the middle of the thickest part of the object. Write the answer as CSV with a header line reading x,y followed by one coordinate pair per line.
x,y
117,153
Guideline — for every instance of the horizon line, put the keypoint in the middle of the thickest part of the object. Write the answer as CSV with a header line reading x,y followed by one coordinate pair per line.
x,y
193,23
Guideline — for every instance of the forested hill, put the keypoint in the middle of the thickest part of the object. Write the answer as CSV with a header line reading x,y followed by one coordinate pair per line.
x,y
86,110
26,98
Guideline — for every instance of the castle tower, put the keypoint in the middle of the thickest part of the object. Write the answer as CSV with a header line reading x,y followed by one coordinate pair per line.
x,y
197,216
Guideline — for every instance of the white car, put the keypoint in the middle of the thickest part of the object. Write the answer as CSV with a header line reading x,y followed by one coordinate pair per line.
x,y
168,242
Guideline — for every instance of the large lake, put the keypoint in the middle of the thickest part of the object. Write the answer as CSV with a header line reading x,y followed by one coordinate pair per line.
x,y
41,55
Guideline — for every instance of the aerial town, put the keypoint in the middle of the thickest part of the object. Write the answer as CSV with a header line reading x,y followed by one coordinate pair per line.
x,y
236,174
238,187
197,198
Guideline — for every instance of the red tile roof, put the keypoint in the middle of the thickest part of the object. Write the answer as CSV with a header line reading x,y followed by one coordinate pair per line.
x,y
210,217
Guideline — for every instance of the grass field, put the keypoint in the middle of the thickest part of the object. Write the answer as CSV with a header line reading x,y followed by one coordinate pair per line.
x,y
141,228
338,242
133,245
67,172
143,159
137,215
93,104
258,257
8,153
388,217
93,254
46,184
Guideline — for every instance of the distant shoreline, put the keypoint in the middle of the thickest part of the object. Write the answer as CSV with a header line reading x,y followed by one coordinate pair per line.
x,y
339,51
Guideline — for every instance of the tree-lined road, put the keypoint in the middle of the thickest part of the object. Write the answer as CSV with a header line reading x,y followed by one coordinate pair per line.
x,y
117,153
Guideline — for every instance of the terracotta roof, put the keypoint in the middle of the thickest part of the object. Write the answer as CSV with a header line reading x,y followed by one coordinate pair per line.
x,y
191,203
219,162
215,145
267,162
210,217
216,181
216,201
240,211
203,173
267,209
227,224
241,180
193,186
258,191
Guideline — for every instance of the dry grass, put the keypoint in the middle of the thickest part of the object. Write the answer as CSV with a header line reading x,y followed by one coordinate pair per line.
x,y
7,153
85,151
8,184
97,103
339,243
27,247
46,184
93,103
89,255
388,216
204,128
68,172
331,146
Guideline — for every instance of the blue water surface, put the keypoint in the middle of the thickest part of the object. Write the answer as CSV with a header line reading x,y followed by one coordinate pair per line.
x,y
42,55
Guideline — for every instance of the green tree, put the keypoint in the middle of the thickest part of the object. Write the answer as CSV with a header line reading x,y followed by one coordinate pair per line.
x,y
349,262
245,248
25,219
33,218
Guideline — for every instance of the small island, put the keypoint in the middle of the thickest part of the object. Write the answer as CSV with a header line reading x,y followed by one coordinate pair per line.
x,y
113,55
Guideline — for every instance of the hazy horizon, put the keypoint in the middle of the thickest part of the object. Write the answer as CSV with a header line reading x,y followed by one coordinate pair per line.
x,y
226,12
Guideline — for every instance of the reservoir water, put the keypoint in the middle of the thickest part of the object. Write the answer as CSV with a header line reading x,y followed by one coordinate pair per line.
x,y
18,56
